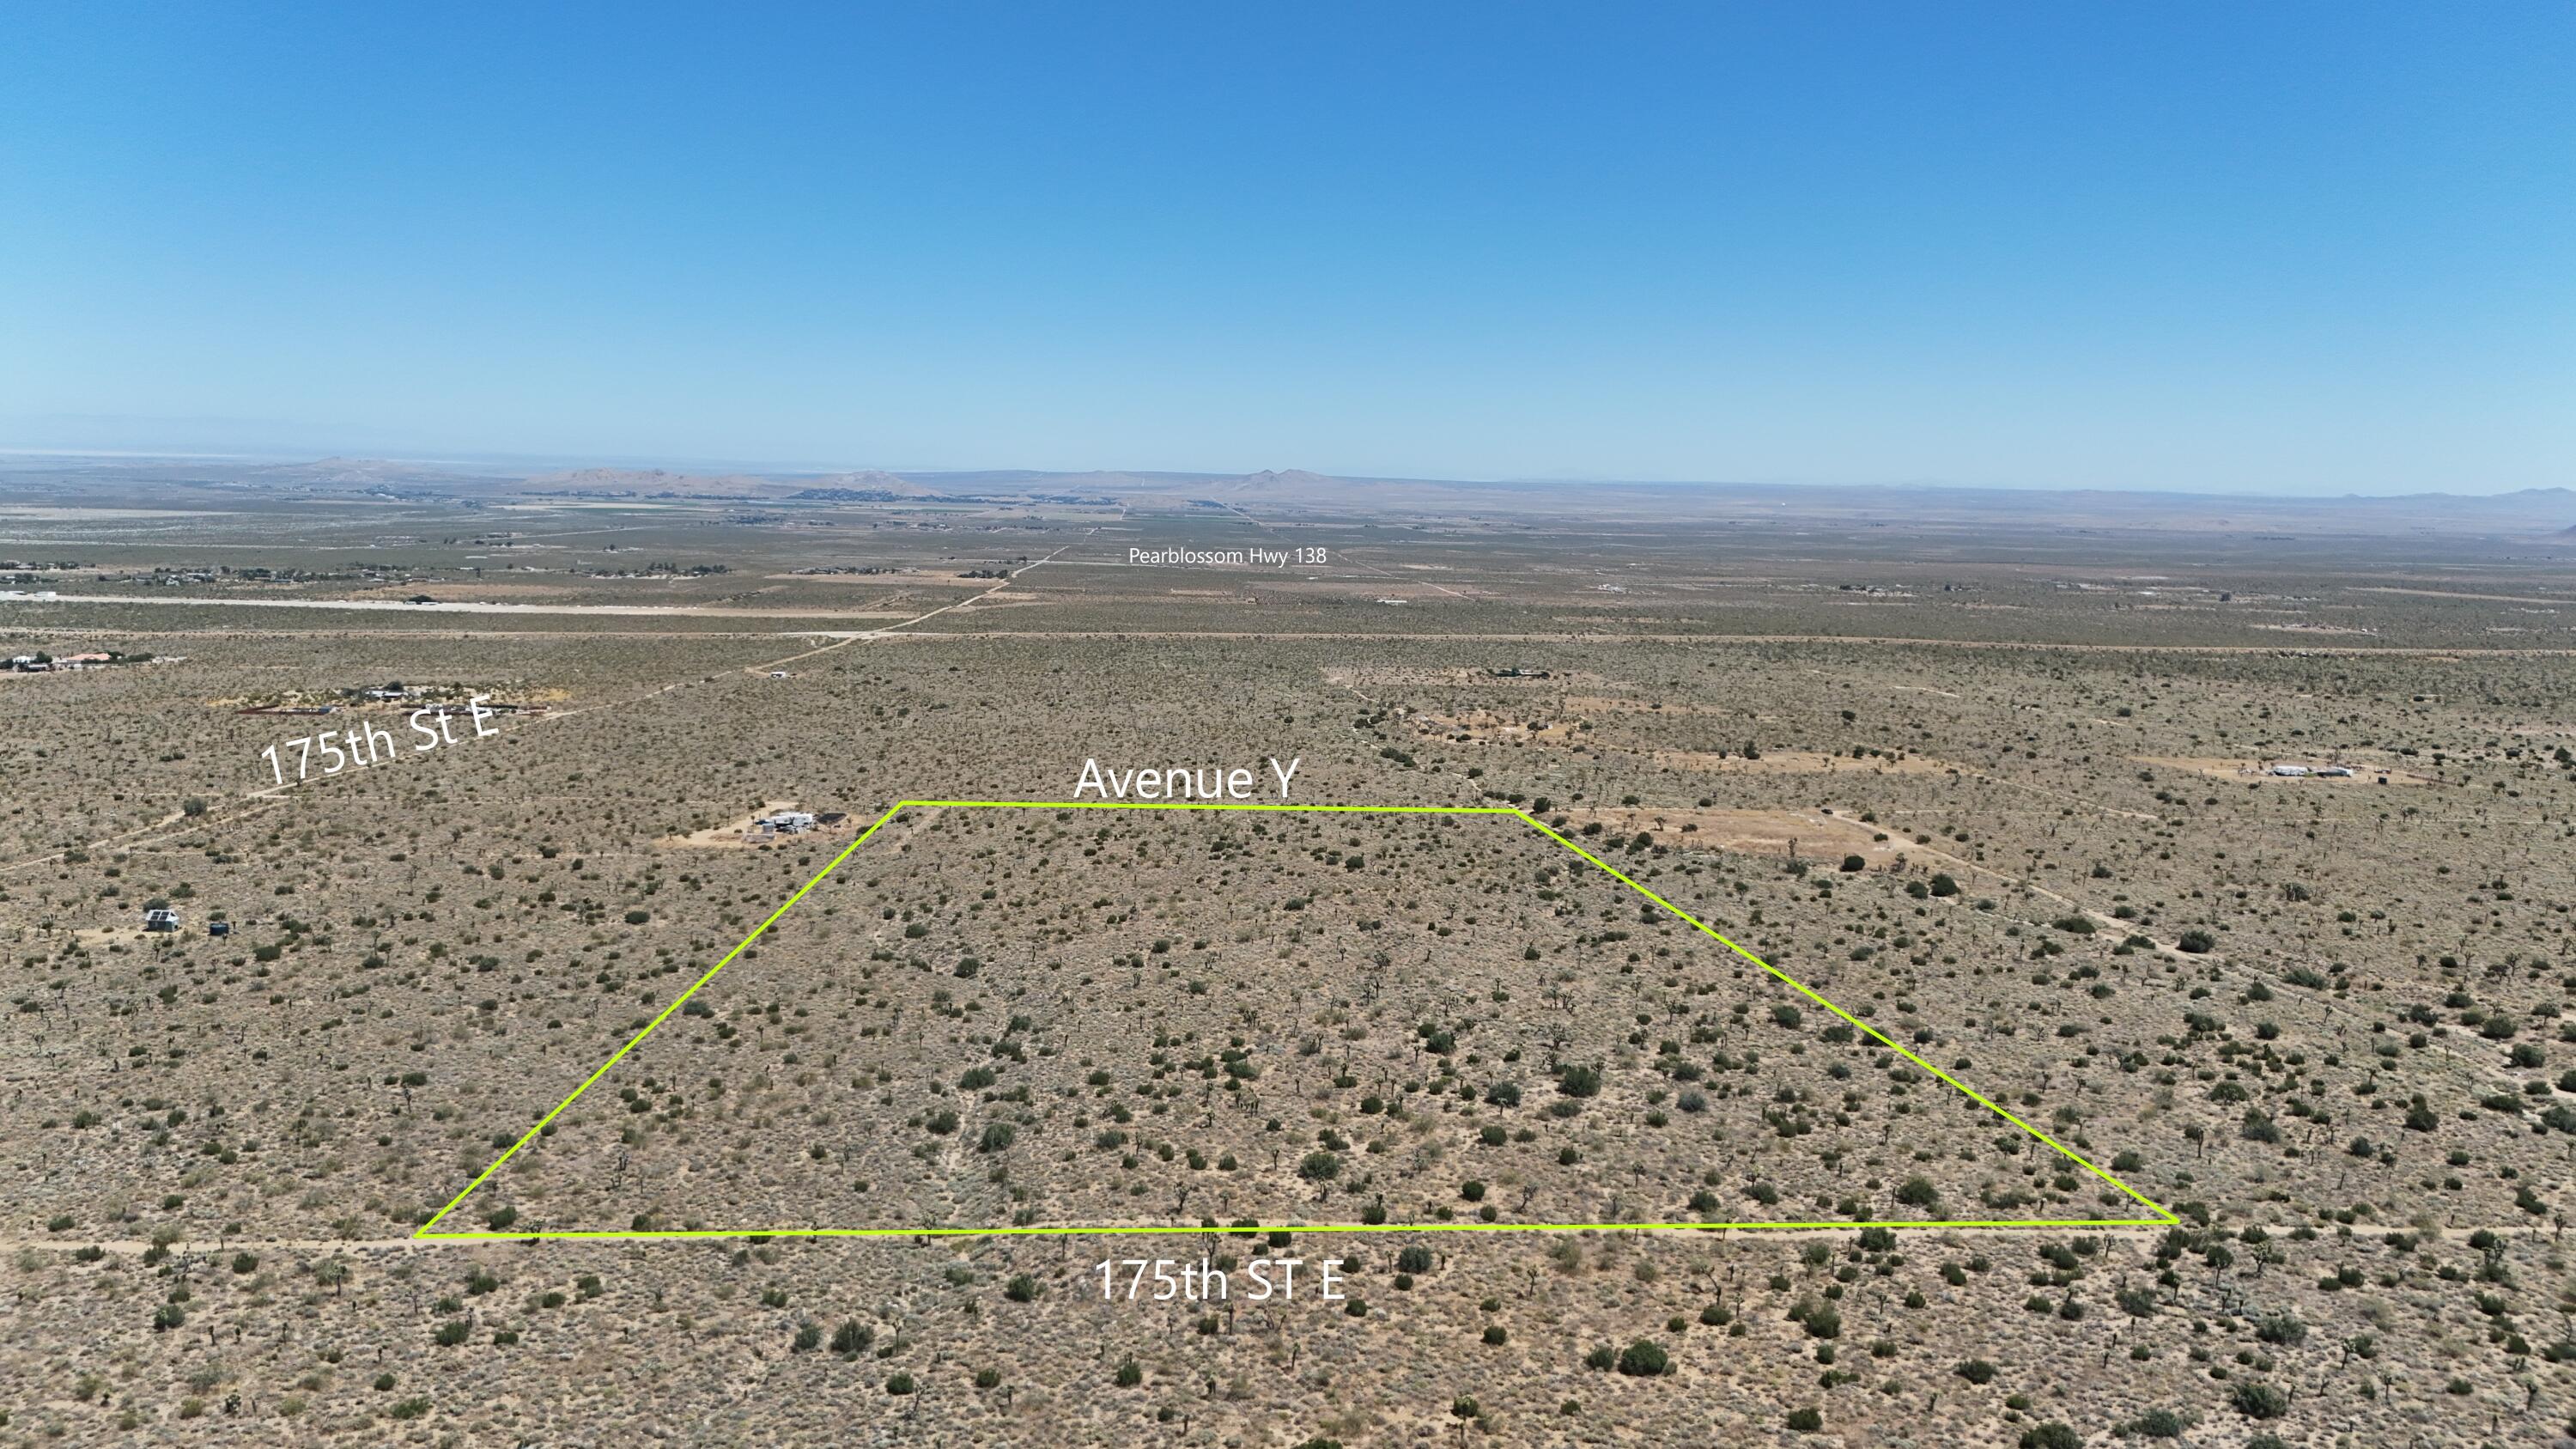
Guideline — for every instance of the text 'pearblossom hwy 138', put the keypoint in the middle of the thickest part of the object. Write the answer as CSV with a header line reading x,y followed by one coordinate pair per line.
x,y
1236,558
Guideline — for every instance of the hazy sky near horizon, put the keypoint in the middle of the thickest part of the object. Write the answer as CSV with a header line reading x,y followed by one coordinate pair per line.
x,y
2270,248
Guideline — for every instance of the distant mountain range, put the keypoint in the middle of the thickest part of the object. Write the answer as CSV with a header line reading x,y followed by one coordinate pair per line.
x,y
2548,513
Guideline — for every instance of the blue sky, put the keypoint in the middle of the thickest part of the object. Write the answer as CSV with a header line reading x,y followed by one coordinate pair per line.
x,y
2270,247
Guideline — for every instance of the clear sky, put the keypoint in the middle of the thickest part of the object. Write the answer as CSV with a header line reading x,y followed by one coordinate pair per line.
x,y
2265,247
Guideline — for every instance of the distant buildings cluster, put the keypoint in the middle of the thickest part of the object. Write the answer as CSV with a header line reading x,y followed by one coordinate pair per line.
x,y
58,663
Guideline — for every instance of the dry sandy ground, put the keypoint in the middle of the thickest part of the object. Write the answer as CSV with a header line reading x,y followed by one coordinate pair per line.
x,y
1800,762
1491,725
1807,834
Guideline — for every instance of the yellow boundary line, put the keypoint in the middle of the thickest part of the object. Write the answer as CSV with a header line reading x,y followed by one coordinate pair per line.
x,y
426,1232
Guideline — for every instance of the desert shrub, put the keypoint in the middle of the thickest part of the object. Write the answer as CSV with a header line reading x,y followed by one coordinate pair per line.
x,y
2257,1400
1644,1359
2159,1424
2284,1329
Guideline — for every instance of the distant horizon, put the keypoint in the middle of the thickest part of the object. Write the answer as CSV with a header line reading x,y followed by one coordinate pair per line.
x,y
526,466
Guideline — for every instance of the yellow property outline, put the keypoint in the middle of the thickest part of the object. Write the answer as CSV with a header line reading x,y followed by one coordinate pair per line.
x,y
427,1231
